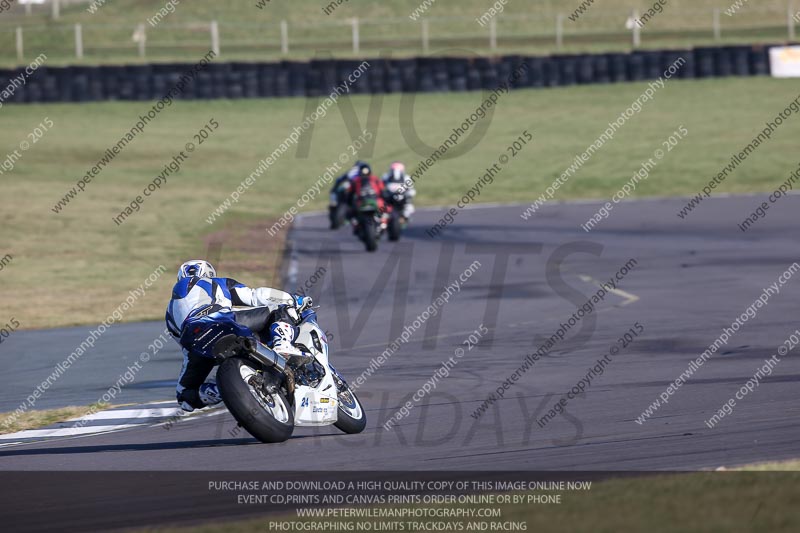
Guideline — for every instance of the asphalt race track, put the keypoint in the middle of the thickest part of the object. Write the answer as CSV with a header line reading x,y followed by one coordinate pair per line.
x,y
36,353
691,279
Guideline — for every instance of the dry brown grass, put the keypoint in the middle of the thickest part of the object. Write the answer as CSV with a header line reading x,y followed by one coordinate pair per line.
x,y
45,417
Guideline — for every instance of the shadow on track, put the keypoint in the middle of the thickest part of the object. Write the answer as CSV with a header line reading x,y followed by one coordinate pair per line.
x,y
150,446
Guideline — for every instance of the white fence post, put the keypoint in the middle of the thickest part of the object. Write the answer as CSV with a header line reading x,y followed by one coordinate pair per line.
x,y
214,37
141,32
637,31
28,8
559,31
284,37
78,41
356,38
20,50
792,18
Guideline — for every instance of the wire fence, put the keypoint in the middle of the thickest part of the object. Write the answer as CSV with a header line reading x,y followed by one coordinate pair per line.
x,y
535,33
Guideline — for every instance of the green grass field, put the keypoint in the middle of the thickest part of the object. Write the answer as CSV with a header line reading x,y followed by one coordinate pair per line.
x,y
251,34
82,252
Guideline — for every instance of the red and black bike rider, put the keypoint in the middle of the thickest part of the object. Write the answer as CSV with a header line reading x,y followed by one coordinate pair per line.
x,y
366,186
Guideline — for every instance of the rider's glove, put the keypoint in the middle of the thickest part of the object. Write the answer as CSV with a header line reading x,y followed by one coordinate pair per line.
x,y
308,313
302,302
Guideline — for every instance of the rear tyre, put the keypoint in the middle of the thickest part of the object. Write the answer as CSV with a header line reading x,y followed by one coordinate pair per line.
x,y
351,416
337,215
267,417
368,232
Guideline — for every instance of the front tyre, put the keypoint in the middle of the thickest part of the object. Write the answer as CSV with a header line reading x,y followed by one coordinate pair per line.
x,y
351,416
267,417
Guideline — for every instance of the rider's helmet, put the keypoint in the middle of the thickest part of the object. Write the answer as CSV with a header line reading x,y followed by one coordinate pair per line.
x,y
198,268
364,170
397,171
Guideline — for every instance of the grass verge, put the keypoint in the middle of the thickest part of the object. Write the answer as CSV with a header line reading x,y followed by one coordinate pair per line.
x,y
773,466
45,417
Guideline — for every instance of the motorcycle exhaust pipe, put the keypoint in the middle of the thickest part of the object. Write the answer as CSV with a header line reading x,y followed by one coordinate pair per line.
x,y
268,357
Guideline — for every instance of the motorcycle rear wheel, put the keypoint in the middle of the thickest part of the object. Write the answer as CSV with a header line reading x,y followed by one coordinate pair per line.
x,y
394,228
267,417
368,232
337,215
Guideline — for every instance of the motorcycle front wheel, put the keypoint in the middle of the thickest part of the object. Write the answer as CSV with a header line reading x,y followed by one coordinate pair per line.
x,y
351,415
266,416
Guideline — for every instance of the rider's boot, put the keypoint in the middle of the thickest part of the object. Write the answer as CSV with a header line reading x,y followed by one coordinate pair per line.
x,y
209,394
205,396
408,210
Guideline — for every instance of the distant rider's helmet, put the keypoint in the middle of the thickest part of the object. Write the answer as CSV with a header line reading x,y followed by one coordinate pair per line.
x,y
397,171
198,268
364,170
355,170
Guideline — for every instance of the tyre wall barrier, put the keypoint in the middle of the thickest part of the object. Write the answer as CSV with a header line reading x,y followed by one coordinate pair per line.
x,y
424,74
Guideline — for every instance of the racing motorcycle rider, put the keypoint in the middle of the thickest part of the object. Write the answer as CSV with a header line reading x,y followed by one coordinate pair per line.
x,y
349,175
365,185
396,179
200,311
339,198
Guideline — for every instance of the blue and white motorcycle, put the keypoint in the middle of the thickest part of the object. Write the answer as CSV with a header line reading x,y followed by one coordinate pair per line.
x,y
269,395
